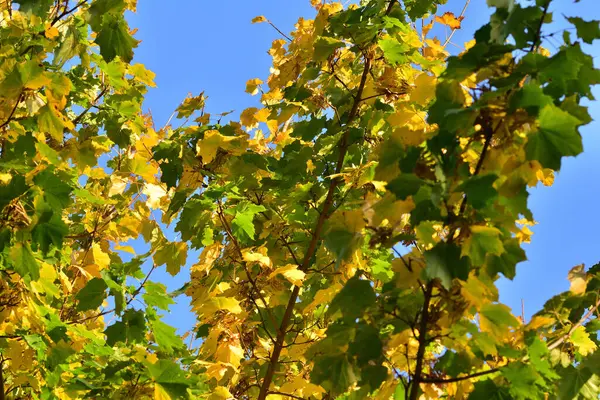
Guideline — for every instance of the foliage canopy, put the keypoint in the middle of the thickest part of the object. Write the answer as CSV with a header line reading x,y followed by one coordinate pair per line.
x,y
351,229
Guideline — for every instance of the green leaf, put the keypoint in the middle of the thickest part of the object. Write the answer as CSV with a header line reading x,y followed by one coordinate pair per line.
x,y
588,31
50,232
405,185
156,296
341,242
394,51
335,373
131,328
497,318
445,262
170,377
382,270
24,262
173,254
49,120
578,383
557,137
539,356
354,298
166,337
92,295
400,392
488,390
506,262
418,8
59,354
483,240
37,7
114,39
501,3
367,346
531,98
480,190
243,222
325,46
56,191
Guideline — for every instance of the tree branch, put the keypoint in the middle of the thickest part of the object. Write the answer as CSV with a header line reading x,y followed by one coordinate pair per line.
x,y
567,335
312,247
462,14
417,378
461,378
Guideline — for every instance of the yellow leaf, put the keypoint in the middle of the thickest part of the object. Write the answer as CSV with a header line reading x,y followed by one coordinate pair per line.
x,y
408,137
140,73
581,340
259,19
405,277
291,273
323,296
248,117
449,19
227,303
539,321
229,353
262,115
578,278
127,249
155,193
51,32
160,393
220,393
207,148
424,89
117,185
5,178
302,388
259,256
252,86
99,257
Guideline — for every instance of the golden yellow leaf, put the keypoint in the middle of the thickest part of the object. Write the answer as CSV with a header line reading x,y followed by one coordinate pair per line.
x,y
449,19
259,19
99,257
323,296
154,194
160,393
303,388
405,278
262,115
582,342
220,393
424,89
252,86
51,32
260,256
207,147
408,137
226,303
248,118
578,278
539,321
291,273
229,353
5,178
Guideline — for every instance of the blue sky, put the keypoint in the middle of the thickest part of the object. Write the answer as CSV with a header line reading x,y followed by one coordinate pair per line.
x,y
196,46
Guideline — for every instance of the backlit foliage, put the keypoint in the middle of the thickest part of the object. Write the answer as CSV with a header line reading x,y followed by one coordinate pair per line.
x,y
351,229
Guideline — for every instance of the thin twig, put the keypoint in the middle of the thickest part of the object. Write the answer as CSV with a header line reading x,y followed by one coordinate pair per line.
x,y
462,14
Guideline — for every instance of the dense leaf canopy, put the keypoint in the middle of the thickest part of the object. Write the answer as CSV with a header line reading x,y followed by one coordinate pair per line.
x,y
351,229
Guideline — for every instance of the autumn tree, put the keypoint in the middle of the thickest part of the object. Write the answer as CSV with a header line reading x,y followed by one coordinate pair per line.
x,y
351,228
